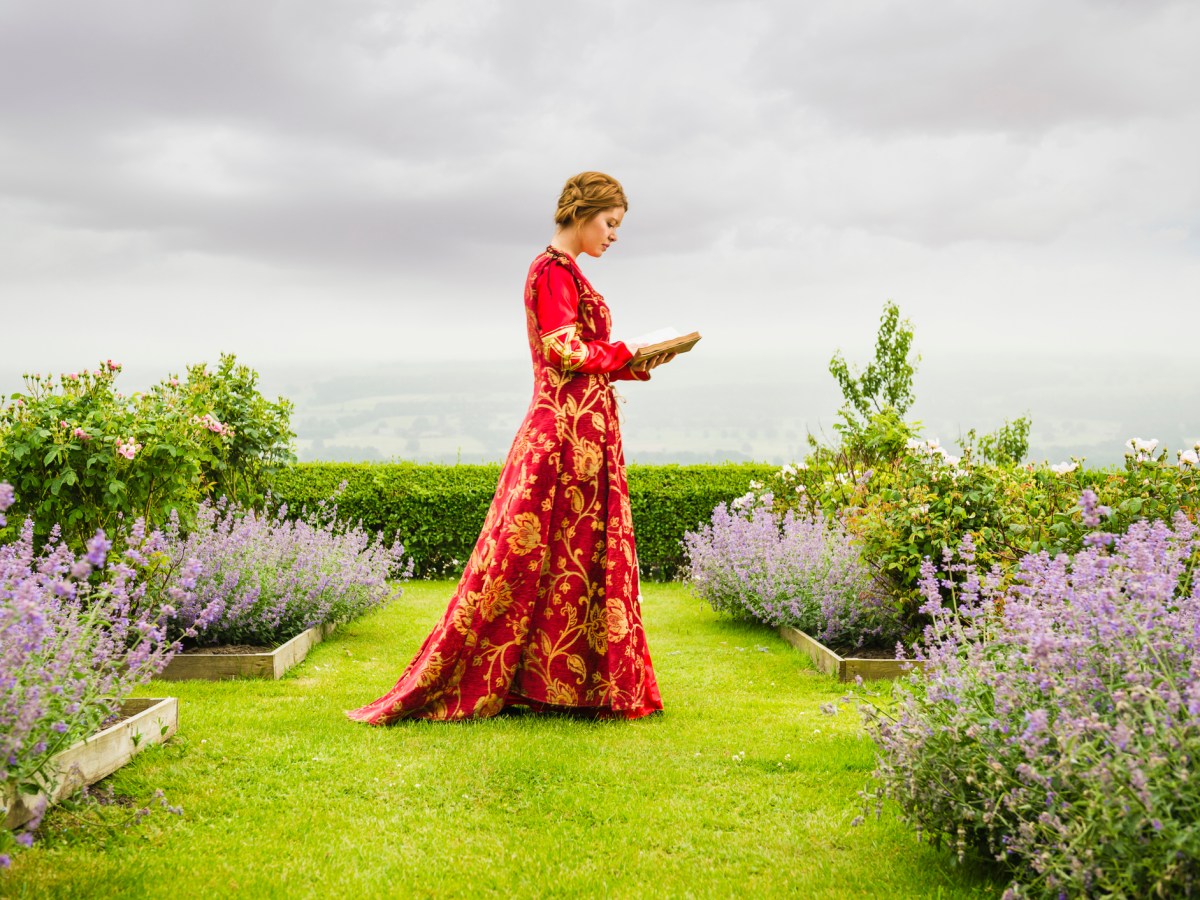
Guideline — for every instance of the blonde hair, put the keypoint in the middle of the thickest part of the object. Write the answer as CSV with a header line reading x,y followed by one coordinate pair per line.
x,y
586,194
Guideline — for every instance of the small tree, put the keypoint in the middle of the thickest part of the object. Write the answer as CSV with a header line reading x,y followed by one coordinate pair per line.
x,y
888,380
884,390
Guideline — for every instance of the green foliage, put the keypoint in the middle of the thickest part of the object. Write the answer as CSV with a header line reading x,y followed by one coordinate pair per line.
x,y
241,459
887,381
878,439
437,511
82,455
923,501
1007,445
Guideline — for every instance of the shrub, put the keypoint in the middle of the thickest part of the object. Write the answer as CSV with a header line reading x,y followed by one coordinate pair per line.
x,y
260,578
1055,727
916,499
789,570
437,511
76,636
246,438
82,455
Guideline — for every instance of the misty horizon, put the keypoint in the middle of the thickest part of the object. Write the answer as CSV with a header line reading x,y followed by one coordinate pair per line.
x,y
709,408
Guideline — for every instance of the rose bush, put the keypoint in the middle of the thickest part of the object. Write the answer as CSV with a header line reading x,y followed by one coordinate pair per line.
x,y
83,456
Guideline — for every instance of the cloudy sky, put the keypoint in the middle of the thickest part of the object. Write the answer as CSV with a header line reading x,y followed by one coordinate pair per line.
x,y
311,183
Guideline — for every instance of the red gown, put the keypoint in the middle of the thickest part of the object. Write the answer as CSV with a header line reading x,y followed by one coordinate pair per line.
x,y
547,611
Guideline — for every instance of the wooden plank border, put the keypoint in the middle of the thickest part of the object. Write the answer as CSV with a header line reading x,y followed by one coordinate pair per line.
x,y
150,722
846,668
270,665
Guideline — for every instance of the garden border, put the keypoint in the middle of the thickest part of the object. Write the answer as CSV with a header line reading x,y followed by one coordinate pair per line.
x,y
270,665
87,761
846,668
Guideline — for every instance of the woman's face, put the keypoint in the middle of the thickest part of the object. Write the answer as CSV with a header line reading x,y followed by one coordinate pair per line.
x,y
596,233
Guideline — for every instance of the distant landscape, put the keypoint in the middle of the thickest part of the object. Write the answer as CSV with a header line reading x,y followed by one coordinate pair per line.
x,y
710,408
707,409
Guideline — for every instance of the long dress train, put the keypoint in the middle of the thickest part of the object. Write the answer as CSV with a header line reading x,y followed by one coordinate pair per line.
x,y
547,611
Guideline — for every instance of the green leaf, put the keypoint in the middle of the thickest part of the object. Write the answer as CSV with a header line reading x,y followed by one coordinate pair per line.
x,y
1132,506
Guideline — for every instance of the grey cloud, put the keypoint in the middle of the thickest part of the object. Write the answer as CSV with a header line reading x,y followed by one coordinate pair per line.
x,y
1020,68
770,148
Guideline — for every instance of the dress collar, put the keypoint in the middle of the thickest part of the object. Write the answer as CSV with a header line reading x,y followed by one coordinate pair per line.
x,y
560,254
569,260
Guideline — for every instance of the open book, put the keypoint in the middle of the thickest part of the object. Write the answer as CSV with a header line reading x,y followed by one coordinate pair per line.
x,y
664,340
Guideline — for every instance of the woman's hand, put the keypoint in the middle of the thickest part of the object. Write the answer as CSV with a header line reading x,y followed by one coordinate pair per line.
x,y
651,362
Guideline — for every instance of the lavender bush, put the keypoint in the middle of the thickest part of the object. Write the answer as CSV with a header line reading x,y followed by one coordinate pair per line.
x,y
261,579
788,570
1055,727
76,636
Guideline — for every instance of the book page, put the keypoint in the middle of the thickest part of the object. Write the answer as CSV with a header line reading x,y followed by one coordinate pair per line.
x,y
655,337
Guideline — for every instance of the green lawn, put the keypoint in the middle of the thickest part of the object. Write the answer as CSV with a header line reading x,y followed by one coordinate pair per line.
x,y
742,787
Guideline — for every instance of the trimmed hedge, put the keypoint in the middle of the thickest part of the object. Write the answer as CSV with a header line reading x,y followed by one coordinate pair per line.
x,y
437,511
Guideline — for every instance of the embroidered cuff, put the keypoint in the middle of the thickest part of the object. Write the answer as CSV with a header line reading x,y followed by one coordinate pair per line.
x,y
564,349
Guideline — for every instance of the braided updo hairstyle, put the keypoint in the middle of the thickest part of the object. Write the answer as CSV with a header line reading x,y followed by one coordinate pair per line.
x,y
586,194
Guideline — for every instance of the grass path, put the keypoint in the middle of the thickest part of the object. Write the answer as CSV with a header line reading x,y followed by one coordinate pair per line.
x,y
742,788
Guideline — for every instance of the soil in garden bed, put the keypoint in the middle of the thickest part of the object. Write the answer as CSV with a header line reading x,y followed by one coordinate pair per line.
x,y
230,649
115,719
865,653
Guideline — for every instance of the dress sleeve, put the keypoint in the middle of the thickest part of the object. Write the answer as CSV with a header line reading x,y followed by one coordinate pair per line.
x,y
557,308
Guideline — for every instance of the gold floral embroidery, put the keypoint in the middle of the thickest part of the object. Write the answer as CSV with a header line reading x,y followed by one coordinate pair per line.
x,y
464,612
497,597
431,671
587,459
488,705
618,624
525,533
560,693
597,627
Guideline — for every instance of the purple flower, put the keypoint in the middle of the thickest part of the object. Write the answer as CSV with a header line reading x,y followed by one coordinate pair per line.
x,y
70,650
790,570
1054,708
97,549
241,576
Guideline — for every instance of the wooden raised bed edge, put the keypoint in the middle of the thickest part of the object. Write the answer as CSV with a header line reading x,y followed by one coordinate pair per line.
x,y
846,668
151,721
271,664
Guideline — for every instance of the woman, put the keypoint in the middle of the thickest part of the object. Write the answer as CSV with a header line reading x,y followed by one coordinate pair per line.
x,y
547,614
